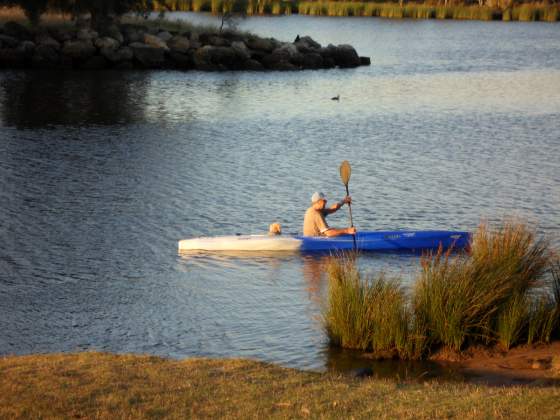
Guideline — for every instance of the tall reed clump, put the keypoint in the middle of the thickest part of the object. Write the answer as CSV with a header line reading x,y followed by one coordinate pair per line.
x,y
505,292
368,313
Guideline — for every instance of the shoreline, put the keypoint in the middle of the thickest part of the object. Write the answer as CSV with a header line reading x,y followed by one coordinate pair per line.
x,y
108,385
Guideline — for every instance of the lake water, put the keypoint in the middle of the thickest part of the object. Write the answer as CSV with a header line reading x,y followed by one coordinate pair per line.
x,y
102,173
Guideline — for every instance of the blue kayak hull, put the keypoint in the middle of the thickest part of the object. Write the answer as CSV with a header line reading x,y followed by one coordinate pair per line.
x,y
388,241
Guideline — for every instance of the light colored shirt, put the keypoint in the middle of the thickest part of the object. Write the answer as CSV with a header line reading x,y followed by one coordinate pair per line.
x,y
314,223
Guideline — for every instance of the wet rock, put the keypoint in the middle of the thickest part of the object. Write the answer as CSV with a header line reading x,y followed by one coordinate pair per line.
x,y
147,55
241,50
106,43
182,61
277,62
8,41
124,65
252,65
306,44
12,58
119,55
365,61
62,34
45,56
86,34
164,36
218,41
96,62
155,42
113,31
312,61
205,37
78,49
345,56
179,44
27,48
133,33
45,39
261,44
17,31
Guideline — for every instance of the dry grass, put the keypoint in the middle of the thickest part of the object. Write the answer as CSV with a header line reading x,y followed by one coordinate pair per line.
x,y
94,385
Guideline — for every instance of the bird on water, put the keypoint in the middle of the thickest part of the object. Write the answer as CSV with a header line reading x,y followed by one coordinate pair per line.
x,y
336,98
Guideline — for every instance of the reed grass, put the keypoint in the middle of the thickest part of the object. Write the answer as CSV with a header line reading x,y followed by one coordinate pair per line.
x,y
496,295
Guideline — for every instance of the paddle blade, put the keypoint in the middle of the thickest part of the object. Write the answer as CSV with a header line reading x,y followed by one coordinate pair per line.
x,y
345,172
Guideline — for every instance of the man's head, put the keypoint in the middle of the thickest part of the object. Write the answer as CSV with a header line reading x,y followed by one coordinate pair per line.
x,y
318,201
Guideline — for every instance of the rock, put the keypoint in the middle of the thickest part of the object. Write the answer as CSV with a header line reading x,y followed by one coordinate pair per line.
x,y
365,61
112,31
277,62
164,36
182,61
106,43
27,48
45,56
96,62
124,65
154,42
147,55
261,44
312,61
307,44
133,33
204,37
62,34
179,44
252,65
286,53
241,50
86,35
345,56
9,41
78,49
218,41
45,39
11,58
210,57
117,56
17,31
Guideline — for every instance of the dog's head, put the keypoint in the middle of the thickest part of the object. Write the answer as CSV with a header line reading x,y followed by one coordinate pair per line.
x,y
275,229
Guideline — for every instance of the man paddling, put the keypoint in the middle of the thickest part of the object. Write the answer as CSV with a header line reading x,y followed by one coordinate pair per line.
x,y
314,223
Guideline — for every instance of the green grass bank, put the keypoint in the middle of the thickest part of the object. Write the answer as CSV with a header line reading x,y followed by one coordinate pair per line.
x,y
97,385
504,293
525,12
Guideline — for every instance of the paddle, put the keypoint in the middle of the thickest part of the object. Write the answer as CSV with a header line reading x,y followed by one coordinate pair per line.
x,y
345,172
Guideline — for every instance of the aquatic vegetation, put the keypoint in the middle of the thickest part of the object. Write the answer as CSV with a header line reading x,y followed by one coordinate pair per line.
x,y
498,294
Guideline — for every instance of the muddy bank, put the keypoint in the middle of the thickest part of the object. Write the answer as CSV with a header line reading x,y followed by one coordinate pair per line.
x,y
130,46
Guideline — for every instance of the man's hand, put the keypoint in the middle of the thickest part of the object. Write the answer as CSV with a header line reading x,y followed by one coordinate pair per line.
x,y
351,231
347,200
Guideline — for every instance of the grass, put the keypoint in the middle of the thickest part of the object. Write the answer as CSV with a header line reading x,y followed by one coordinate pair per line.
x,y
506,292
97,385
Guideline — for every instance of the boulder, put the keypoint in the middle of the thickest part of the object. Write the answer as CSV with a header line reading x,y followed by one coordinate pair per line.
x,y
218,41
96,62
62,34
112,31
11,58
261,44
345,56
27,48
164,36
241,50
312,61
9,41
133,33
106,43
17,31
78,49
277,62
252,65
45,56
147,55
204,37
209,57
124,65
286,53
119,55
182,61
45,39
307,42
86,34
179,44
155,42
365,61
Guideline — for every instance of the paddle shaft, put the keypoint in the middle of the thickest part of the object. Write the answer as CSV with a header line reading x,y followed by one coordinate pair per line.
x,y
351,222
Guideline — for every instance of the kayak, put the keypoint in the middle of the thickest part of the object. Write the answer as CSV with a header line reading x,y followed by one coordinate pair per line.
x,y
380,241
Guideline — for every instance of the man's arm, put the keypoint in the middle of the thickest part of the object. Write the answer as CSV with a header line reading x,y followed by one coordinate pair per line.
x,y
337,232
335,207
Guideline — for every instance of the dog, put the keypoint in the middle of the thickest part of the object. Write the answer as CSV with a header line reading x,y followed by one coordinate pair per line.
x,y
275,229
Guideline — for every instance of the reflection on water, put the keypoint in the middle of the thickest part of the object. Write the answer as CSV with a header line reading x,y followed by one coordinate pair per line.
x,y
101,173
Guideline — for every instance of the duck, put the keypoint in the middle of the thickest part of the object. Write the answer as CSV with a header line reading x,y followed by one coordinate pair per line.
x,y
336,98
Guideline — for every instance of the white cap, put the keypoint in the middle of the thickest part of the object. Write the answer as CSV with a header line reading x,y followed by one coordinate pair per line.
x,y
317,196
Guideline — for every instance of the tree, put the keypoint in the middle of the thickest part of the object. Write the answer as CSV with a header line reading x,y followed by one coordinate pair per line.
x,y
33,9
231,11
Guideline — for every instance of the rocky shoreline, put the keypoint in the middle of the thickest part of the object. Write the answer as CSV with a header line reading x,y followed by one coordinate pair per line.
x,y
134,46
